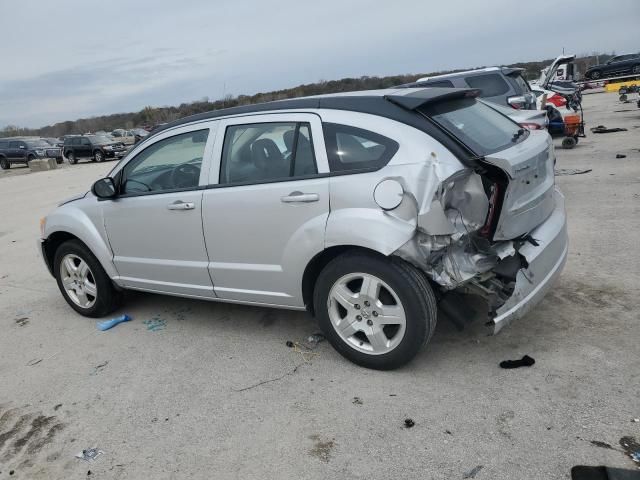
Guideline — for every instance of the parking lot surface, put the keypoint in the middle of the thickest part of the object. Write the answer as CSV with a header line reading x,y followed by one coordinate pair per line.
x,y
191,389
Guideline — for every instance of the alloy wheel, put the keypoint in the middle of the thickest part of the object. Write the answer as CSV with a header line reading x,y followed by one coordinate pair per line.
x,y
78,281
366,313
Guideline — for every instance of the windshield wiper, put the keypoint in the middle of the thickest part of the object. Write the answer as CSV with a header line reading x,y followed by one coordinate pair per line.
x,y
518,134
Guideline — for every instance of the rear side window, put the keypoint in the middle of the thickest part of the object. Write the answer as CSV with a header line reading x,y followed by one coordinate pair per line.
x,y
438,83
351,148
477,125
262,152
522,84
489,84
4,144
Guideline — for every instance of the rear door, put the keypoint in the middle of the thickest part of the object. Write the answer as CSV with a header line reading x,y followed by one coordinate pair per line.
x,y
13,152
265,210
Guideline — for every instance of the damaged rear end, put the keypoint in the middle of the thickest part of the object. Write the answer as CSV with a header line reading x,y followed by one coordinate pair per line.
x,y
496,229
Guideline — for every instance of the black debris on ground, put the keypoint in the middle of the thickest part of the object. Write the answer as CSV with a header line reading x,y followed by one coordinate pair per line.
x,y
571,171
631,448
620,155
525,361
289,344
473,472
409,423
603,129
598,443
357,401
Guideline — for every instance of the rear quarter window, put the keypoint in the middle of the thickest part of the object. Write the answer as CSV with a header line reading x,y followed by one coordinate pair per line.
x,y
489,84
521,83
438,83
352,149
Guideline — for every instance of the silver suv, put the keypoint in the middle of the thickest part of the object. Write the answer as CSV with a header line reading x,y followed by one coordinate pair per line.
x,y
370,210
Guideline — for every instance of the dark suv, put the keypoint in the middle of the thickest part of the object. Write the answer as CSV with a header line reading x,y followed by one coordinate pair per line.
x,y
95,147
23,150
619,65
502,85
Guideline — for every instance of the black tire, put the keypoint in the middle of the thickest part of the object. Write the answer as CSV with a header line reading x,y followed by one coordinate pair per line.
x,y
29,158
98,156
635,69
107,299
568,143
4,164
59,160
595,75
71,157
411,287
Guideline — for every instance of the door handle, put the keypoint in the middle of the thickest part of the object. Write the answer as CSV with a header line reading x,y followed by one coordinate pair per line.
x,y
179,205
299,197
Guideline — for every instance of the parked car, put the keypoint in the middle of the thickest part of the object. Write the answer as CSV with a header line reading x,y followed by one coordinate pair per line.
x,y
56,142
139,134
23,150
529,119
502,85
125,136
369,209
618,65
96,147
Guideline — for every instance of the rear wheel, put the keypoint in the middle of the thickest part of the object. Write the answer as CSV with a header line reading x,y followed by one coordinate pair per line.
x,y
71,157
4,164
98,156
377,312
83,282
29,158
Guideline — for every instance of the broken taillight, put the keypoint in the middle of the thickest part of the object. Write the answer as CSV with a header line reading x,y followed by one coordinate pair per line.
x,y
487,228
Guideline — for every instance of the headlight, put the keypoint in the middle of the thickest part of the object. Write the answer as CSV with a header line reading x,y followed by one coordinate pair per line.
x,y
40,152
108,147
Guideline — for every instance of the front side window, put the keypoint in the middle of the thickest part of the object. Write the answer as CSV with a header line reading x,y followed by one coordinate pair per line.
x,y
169,164
351,148
477,125
489,84
260,152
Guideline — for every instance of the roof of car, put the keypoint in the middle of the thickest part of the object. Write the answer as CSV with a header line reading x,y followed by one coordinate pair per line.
x,y
380,102
505,70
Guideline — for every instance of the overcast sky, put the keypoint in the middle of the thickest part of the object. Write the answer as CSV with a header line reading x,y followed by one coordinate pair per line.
x,y
66,59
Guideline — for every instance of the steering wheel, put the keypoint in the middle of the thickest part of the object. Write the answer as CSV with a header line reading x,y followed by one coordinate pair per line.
x,y
185,175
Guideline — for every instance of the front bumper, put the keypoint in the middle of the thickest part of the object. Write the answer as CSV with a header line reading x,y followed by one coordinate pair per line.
x,y
545,265
114,153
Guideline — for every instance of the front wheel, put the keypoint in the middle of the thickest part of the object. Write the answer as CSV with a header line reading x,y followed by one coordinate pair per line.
x,y
595,75
98,156
636,70
377,312
83,282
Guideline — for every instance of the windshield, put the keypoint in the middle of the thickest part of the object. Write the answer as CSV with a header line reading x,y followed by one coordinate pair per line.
x,y
478,126
37,143
100,139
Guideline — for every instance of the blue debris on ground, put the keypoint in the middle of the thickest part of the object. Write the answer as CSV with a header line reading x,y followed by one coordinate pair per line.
x,y
107,324
156,323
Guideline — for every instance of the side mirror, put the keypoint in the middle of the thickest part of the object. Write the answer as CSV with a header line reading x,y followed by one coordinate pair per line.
x,y
104,188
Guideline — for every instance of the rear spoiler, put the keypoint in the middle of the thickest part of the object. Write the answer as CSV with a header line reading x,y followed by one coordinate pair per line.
x,y
416,98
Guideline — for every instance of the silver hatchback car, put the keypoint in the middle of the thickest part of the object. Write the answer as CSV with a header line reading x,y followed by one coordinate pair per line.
x,y
371,210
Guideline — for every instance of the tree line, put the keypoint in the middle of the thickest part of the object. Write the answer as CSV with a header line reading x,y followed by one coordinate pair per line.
x,y
150,116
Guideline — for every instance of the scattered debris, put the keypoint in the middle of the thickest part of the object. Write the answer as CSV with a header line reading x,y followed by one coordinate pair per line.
x,y
33,362
357,401
156,323
393,395
620,155
525,361
473,472
315,339
289,344
98,368
603,129
598,443
448,432
409,423
90,454
22,321
107,324
631,448
571,171
321,450
635,420
55,409
291,372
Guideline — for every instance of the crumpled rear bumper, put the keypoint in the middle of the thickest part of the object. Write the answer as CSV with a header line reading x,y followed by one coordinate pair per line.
x,y
545,265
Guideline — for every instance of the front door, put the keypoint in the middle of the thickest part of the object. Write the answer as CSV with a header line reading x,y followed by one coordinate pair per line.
x,y
265,213
154,225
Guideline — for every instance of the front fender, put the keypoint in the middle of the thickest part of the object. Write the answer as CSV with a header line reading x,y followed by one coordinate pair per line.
x,y
83,219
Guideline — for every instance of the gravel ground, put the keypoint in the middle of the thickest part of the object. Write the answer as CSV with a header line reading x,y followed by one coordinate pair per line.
x,y
205,390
